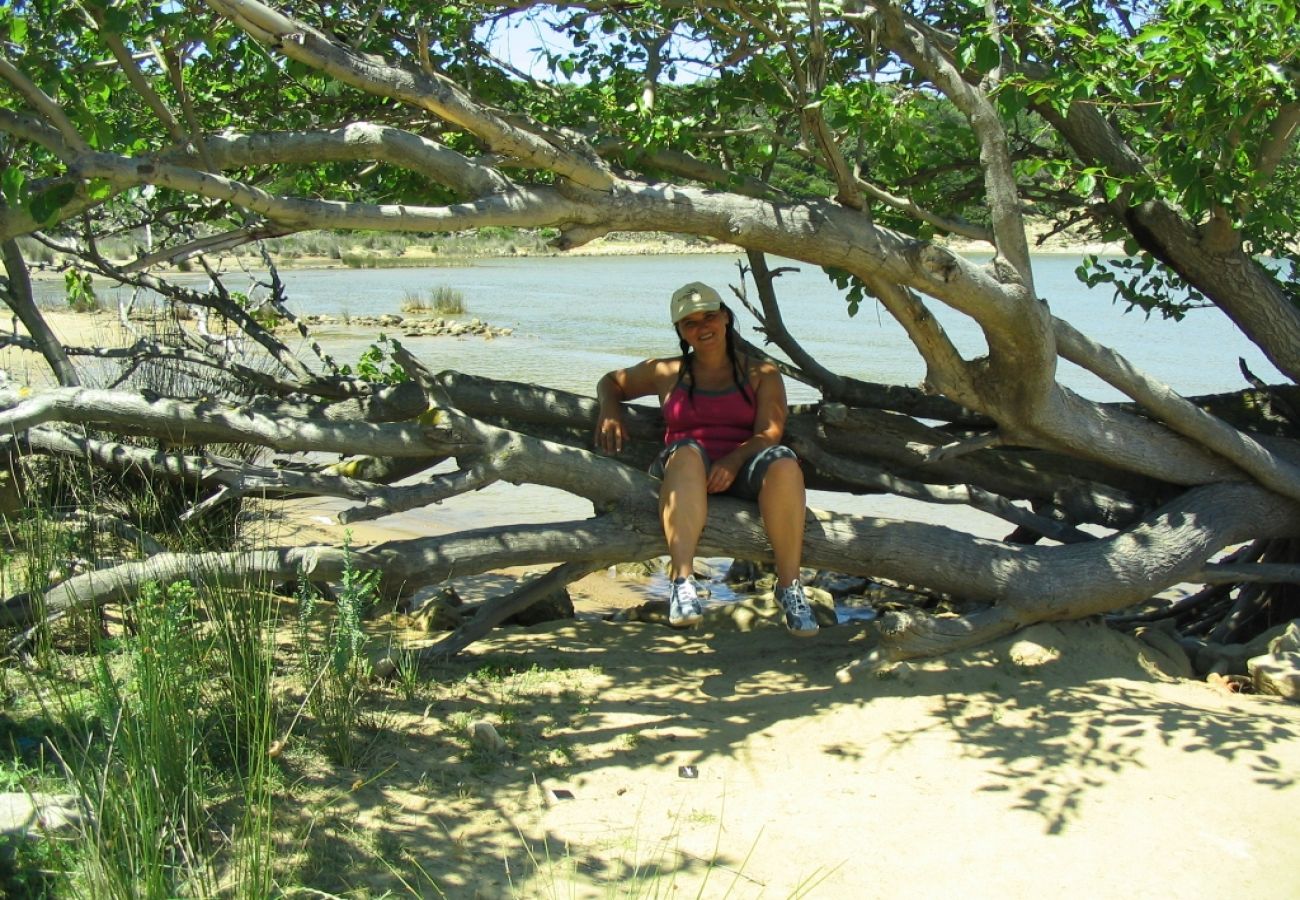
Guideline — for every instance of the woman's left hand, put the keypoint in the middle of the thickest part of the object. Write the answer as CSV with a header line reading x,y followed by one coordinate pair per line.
x,y
722,474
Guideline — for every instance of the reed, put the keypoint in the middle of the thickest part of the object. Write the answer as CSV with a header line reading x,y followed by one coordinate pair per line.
x,y
336,668
447,301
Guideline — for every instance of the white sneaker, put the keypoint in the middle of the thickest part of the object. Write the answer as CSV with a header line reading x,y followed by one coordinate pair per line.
x,y
799,618
684,605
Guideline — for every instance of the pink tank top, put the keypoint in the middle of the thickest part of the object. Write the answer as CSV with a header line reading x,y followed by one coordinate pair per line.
x,y
720,420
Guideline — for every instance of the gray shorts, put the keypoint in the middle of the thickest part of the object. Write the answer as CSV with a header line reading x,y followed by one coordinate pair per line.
x,y
750,477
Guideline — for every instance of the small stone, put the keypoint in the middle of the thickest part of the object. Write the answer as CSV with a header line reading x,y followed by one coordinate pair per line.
x,y
483,735
900,671
1030,654
384,668
639,570
652,611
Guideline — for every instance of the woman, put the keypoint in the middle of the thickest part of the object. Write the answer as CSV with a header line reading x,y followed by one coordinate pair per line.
x,y
725,415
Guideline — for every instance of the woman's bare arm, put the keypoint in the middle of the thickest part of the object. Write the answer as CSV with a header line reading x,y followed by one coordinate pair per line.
x,y
621,385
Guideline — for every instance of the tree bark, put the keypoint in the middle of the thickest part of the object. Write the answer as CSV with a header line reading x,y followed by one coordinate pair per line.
x,y
17,294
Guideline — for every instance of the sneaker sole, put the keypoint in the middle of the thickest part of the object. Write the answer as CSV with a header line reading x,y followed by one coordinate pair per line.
x,y
807,632
686,622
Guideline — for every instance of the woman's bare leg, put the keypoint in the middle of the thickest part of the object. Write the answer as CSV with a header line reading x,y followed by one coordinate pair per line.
x,y
683,508
783,503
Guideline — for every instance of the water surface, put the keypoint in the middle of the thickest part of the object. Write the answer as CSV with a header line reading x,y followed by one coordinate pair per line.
x,y
577,317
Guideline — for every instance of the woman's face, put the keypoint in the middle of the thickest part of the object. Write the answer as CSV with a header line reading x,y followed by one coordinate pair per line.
x,y
702,330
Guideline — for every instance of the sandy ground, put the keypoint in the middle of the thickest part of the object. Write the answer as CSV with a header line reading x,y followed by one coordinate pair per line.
x,y
1060,762
1064,761
1068,759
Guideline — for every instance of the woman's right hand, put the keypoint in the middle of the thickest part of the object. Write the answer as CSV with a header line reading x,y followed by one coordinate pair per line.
x,y
611,431
616,388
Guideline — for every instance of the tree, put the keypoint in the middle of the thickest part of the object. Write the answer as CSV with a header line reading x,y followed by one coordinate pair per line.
x,y
844,135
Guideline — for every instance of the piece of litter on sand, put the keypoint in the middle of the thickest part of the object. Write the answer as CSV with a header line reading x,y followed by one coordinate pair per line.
x,y
561,794
688,772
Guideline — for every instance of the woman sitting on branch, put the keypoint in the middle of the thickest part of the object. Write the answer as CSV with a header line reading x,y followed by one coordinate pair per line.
x,y
725,415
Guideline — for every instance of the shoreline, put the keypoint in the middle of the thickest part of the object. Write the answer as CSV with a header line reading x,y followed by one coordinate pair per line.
x,y
415,257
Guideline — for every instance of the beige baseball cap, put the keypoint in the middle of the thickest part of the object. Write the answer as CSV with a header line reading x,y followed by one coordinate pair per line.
x,y
692,298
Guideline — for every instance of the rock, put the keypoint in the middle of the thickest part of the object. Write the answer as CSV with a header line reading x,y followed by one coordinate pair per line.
x,y
652,611
13,501
1231,659
441,612
24,812
745,572
884,597
823,606
1173,659
554,606
755,612
410,327
840,586
1277,673
639,571
1288,641
447,596
1031,654
385,668
483,735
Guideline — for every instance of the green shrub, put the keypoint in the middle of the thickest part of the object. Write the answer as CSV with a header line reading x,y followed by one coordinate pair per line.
x,y
336,673
80,290
362,260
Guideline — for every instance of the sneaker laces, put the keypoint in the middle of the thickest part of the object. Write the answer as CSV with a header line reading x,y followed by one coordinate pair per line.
x,y
792,598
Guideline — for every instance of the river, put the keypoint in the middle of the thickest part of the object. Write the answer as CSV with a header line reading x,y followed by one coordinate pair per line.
x,y
575,318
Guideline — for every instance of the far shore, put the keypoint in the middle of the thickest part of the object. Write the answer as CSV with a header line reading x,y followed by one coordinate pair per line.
x,y
421,257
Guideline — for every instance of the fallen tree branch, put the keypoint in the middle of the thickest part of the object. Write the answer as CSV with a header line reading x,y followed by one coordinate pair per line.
x,y
182,422
497,610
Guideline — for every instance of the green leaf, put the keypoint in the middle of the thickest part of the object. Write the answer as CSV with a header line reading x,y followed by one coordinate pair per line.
x,y
45,206
988,55
11,183
99,189
118,19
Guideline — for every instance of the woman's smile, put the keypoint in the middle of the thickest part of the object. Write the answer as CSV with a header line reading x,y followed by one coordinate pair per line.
x,y
703,328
